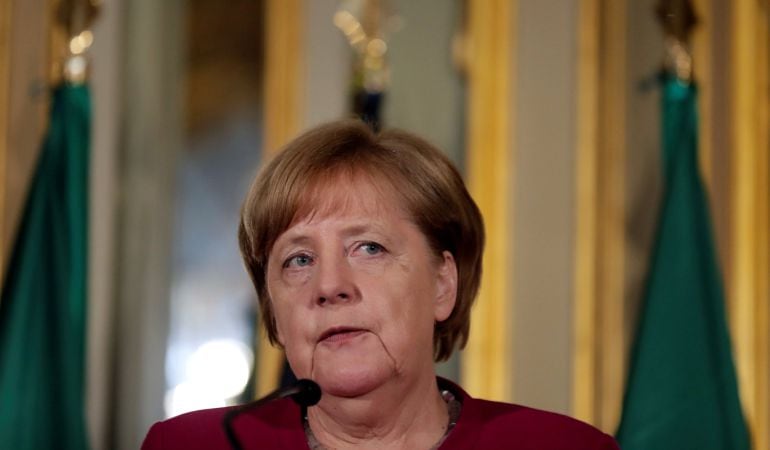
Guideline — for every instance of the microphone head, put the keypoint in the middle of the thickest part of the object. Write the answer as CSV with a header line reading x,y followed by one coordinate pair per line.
x,y
308,393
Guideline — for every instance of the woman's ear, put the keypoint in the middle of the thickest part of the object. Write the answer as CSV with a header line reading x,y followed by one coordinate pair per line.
x,y
446,287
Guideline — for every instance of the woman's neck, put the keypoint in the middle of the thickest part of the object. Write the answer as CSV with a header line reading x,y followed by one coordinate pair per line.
x,y
395,415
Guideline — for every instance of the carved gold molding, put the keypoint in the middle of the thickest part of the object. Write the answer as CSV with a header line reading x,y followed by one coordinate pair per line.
x,y
585,330
283,94
749,268
284,71
599,345
485,365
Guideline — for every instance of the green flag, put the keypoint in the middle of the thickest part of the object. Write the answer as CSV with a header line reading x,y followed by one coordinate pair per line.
x,y
682,391
43,306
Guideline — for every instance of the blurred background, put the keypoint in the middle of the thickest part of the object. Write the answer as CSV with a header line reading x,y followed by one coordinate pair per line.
x,y
550,108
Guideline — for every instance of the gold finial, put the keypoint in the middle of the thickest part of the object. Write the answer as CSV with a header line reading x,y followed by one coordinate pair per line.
x,y
366,25
76,18
677,18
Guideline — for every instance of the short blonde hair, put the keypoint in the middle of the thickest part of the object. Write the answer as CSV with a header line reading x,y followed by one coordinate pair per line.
x,y
430,188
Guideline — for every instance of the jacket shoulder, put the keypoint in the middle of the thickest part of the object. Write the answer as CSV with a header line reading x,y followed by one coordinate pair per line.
x,y
530,428
273,425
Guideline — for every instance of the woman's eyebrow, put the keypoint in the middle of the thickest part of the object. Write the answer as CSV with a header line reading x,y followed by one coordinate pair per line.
x,y
297,239
303,237
356,229
369,227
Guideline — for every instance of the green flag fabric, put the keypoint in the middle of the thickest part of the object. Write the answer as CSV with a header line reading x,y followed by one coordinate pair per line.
x,y
682,391
43,305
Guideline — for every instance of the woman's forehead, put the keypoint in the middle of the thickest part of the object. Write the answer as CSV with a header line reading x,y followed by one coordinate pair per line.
x,y
345,193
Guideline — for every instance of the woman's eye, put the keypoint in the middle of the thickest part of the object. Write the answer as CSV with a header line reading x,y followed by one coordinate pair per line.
x,y
371,248
301,260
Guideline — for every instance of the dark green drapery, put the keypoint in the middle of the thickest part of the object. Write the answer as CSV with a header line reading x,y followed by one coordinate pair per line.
x,y
43,308
682,391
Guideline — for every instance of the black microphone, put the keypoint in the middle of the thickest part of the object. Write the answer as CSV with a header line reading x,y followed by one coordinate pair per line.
x,y
304,392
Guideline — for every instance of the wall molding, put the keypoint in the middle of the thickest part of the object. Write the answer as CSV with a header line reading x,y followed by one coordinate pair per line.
x,y
486,368
599,347
748,281
283,111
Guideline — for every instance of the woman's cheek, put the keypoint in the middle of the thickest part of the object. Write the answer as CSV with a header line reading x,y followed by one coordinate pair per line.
x,y
299,362
294,331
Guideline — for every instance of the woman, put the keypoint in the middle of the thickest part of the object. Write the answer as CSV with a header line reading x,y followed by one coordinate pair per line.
x,y
365,251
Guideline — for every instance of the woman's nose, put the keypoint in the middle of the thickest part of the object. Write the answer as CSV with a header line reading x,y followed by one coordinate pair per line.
x,y
334,282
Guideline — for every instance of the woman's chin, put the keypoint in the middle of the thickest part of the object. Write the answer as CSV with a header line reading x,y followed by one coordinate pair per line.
x,y
354,367
351,381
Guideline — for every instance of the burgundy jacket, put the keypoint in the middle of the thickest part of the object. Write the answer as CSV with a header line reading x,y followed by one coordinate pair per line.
x,y
482,425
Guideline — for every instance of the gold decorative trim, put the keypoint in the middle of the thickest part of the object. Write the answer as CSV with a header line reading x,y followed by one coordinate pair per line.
x,y
5,69
599,341
586,205
284,70
750,197
611,217
486,363
283,95
762,238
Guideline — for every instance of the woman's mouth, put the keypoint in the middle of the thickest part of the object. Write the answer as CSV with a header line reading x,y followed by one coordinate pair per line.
x,y
340,334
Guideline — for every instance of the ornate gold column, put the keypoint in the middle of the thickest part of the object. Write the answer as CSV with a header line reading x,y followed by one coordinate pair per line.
x,y
599,344
283,94
284,69
585,334
749,268
486,367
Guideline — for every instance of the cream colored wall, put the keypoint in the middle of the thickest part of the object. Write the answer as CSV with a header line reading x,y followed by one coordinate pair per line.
x,y
427,91
106,79
327,62
543,223
150,93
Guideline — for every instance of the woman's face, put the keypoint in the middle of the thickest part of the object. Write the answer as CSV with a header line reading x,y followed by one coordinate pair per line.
x,y
356,289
